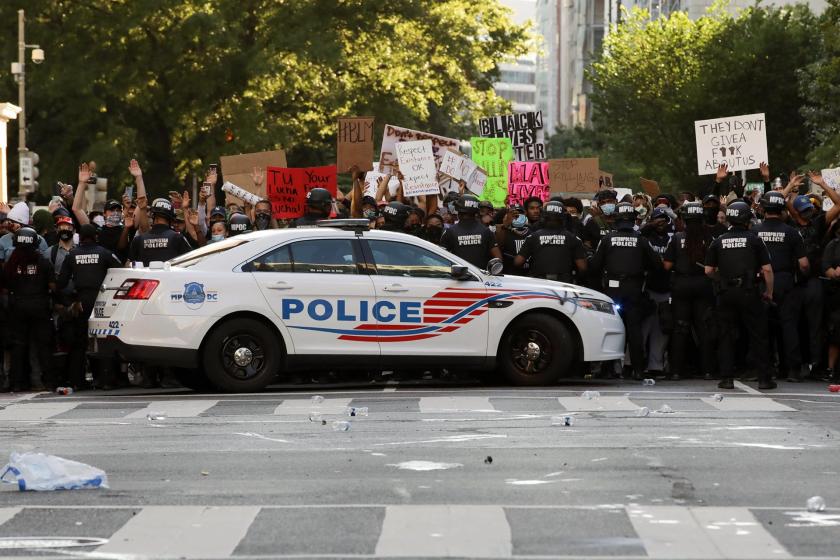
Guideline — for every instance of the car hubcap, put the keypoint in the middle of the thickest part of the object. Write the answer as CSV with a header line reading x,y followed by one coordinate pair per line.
x,y
531,351
243,356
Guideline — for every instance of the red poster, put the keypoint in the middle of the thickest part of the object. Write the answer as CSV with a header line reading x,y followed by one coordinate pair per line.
x,y
527,179
287,187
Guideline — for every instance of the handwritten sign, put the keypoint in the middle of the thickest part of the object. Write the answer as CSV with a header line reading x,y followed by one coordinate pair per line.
x,y
523,129
650,187
455,165
237,169
740,142
287,187
396,134
574,175
527,179
605,181
355,143
417,164
493,155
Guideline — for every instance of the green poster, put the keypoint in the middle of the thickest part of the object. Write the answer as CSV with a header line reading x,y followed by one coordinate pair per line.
x,y
493,155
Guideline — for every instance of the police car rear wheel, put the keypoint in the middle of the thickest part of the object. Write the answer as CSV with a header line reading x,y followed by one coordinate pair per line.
x,y
537,350
241,355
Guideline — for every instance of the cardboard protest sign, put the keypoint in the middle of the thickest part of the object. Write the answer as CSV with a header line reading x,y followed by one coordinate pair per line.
x,y
832,177
454,164
574,175
605,180
523,129
527,179
287,187
650,187
396,134
237,169
417,165
493,155
355,143
740,142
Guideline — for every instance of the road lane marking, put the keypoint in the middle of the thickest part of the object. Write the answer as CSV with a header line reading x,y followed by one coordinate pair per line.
x,y
182,532
303,407
445,531
737,533
579,404
7,513
36,410
747,404
746,388
175,409
455,404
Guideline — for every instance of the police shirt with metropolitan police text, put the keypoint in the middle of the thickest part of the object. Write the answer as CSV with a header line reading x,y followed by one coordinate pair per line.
x,y
738,253
160,243
625,254
87,266
470,240
552,251
784,243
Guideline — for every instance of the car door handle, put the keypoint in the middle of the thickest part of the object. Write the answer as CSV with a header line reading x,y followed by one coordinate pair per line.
x,y
281,285
394,288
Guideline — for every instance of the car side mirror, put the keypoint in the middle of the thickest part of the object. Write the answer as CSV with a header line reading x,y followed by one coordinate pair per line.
x,y
459,272
495,267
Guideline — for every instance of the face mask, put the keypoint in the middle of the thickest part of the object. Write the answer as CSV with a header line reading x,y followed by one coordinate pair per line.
x,y
369,214
520,221
99,221
710,215
65,234
451,207
113,220
641,211
435,232
217,237
263,221
608,209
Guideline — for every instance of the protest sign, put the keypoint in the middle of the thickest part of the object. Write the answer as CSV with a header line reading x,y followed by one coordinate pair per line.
x,y
650,187
527,179
605,180
355,143
454,164
574,175
523,129
493,155
395,134
832,177
287,187
237,169
417,165
740,142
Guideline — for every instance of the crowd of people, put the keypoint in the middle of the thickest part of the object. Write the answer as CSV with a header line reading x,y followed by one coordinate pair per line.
x,y
720,284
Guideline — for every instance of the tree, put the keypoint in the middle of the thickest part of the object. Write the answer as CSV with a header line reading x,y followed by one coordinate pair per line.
x,y
181,82
655,78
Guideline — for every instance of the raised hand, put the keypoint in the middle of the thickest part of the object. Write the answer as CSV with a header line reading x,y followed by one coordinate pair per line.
x,y
212,176
185,200
816,178
258,176
134,168
722,172
84,173
192,217
765,171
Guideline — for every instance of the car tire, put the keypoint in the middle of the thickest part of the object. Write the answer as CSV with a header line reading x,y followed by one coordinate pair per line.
x,y
541,365
241,356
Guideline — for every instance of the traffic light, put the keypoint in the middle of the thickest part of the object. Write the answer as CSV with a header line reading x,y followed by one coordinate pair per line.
x,y
29,171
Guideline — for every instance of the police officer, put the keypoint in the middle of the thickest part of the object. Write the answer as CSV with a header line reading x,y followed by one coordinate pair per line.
x,y
655,331
711,226
29,278
736,257
831,266
469,239
622,260
691,293
160,243
239,223
318,206
396,216
86,266
555,252
788,258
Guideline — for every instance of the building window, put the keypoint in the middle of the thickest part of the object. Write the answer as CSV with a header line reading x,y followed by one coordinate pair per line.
x,y
523,97
514,77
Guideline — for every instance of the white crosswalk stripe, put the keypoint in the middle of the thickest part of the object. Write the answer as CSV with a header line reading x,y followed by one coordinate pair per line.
x,y
175,409
747,404
36,410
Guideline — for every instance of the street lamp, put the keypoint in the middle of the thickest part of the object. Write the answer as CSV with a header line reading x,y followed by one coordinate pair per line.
x,y
27,160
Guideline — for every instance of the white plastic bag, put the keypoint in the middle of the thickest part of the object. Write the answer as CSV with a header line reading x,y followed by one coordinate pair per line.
x,y
37,471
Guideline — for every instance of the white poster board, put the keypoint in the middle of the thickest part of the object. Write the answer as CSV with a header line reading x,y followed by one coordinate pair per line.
x,y
396,134
417,165
462,168
740,142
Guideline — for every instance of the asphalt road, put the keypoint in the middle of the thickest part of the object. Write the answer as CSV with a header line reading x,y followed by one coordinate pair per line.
x,y
434,470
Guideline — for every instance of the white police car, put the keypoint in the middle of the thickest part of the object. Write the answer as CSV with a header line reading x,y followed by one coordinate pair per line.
x,y
247,309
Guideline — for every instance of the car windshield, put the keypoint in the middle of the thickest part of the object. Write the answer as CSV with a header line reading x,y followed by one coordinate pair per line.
x,y
194,257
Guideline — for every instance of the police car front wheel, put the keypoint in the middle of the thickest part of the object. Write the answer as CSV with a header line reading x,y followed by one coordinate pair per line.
x,y
241,355
536,350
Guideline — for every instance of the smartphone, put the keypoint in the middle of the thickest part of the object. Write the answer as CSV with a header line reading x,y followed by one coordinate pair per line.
x,y
214,167
129,192
176,194
205,188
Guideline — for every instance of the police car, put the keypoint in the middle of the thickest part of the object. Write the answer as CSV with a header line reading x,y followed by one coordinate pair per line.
x,y
240,312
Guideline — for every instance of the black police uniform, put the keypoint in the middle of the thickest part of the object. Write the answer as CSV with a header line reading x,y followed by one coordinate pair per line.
x,y
160,243
786,247
470,240
693,302
513,243
739,255
109,238
86,266
30,310
809,286
553,252
831,259
622,259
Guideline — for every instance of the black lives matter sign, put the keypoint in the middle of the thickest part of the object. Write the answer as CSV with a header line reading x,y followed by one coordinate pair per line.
x,y
523,131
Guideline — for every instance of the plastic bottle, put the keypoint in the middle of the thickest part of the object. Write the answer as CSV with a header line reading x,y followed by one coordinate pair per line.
x,y
341,426
317,399
642,412
356,411
665,409
816,504
567,420
591,395
718,397
64,390
315,416
649,382
834,388
156,416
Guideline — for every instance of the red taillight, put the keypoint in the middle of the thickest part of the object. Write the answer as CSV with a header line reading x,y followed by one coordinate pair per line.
x,y
134,288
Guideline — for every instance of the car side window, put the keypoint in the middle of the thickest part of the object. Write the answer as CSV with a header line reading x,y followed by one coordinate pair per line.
x,y
403,259
324,256
276,260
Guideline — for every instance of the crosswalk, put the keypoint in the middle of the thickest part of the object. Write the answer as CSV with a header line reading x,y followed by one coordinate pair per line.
x,y
135,408
432,531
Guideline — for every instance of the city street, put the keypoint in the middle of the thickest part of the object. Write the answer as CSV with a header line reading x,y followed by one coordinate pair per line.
x,y
434,470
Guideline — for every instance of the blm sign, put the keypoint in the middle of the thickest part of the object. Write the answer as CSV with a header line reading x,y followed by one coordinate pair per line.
x,y
523,129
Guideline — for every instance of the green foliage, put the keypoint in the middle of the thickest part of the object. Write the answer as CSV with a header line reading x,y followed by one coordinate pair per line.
x,y
655,78
163,80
